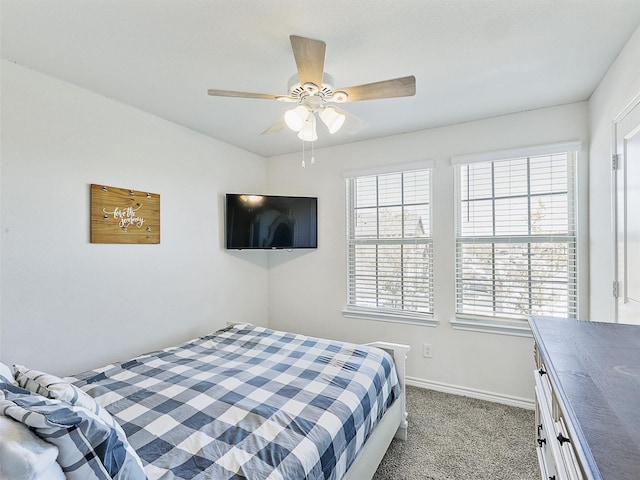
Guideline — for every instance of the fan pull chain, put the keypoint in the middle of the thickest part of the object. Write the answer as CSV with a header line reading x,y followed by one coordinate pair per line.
x,y
303,162
313,158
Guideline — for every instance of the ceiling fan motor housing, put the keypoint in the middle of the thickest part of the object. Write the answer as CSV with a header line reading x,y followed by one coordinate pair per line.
x,y
298,91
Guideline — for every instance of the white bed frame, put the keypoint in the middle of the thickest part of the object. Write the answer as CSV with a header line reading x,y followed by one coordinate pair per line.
x,y
393,423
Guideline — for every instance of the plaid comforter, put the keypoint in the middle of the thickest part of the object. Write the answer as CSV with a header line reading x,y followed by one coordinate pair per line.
x,y
248,402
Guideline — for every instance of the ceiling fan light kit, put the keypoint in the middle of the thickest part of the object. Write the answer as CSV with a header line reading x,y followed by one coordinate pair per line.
x,y
332,119
308,132
302,119
311,88
296,117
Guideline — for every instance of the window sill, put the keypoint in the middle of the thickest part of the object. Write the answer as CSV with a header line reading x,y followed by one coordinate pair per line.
x,y
382,316
490,325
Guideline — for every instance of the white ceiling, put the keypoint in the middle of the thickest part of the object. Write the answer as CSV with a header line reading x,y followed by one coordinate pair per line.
x,y
472,59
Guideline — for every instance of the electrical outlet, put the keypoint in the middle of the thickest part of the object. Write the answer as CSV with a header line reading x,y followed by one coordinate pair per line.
x,y
426,352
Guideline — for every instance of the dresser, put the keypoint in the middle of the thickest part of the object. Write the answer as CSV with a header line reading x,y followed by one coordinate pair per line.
x,y
587,386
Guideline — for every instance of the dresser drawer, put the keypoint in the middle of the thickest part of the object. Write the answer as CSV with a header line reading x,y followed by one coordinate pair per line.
x,y
553,440
550,454
567,452
545,473
543,383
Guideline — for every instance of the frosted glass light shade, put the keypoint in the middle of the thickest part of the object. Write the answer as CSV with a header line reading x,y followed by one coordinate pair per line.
x,y
308,132
332,119
296,117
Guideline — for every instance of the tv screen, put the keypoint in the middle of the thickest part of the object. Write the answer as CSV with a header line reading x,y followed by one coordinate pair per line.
x,y
270,222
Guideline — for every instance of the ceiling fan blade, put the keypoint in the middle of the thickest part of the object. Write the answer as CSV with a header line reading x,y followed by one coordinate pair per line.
x,y
231,93
352,124
275,128
309,55
397,87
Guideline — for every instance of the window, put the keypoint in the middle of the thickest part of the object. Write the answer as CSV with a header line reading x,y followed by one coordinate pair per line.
x,y
516,245
390,273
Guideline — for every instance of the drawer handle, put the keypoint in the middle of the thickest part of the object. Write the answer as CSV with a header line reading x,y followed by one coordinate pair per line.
x,y
541,441
562,439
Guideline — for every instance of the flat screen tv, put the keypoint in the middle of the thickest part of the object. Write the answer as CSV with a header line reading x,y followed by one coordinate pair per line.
x,y
270,222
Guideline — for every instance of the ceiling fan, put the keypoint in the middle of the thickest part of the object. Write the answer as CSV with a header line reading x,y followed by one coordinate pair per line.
x,y
313,90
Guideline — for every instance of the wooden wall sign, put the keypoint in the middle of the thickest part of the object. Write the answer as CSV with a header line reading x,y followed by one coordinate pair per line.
x,y
120,215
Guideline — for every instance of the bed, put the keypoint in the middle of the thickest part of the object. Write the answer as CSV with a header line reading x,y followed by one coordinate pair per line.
x,y
243,402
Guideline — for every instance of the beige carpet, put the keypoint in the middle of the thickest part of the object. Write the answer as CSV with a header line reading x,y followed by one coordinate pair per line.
x,y
459,438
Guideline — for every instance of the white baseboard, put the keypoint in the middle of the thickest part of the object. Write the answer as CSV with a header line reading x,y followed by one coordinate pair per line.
x,y
527,403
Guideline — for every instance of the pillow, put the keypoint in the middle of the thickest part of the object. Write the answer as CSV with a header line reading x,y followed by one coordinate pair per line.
x,y
51,386
25,455
54,387
89,449
5,373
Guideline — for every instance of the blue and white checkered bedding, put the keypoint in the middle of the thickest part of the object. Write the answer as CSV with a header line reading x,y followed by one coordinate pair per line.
x,y
248,402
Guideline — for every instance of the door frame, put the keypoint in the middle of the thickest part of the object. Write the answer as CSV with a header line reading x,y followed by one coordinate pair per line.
x,y
615,159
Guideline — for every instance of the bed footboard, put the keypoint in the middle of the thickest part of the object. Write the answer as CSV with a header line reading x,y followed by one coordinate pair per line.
x,y
399,354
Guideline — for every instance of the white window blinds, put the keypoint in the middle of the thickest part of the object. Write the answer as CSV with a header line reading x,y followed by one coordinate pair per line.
x,y
389,242
516,237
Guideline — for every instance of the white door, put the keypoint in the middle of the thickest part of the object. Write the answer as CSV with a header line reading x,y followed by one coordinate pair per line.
x,y
627,202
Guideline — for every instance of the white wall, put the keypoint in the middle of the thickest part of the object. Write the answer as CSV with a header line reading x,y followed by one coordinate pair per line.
x,y
67,304
308,289
616,90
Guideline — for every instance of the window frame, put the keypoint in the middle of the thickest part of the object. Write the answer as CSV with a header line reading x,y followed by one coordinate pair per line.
x,y
374,313
506,325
